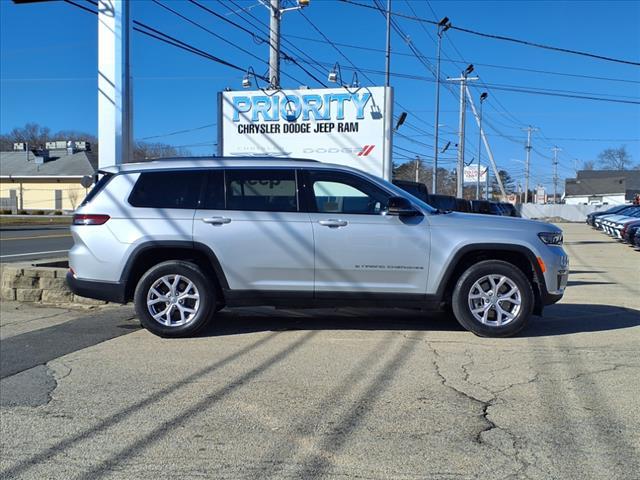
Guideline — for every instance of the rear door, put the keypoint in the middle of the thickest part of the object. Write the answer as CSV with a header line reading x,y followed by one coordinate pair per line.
x,y
358,248
250,218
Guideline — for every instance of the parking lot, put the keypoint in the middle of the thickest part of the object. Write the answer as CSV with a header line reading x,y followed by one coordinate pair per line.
x,y
369,394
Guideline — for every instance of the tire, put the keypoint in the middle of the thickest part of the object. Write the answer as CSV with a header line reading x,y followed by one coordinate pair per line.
x,y
504,317
183,299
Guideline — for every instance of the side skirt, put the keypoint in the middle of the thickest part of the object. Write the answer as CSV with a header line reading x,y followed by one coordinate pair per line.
x,y
286,299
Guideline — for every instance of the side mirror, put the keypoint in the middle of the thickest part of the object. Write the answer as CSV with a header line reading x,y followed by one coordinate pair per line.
x,y
401,207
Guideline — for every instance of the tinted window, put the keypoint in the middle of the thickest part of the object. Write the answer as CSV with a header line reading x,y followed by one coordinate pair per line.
x,y
169,189
214,191
335,192
262,190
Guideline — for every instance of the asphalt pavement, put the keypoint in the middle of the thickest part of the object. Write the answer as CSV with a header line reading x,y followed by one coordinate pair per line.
x,y
367,394
25,243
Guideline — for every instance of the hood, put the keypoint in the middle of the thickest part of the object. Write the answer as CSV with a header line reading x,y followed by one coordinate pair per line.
x,y
491,222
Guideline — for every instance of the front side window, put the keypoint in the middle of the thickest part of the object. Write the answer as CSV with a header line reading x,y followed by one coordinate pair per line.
x,y
336,192
168,189
261,190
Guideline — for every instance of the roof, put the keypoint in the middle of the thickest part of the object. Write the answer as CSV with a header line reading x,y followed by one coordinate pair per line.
x,y
61,164
632,177
207,162
594,186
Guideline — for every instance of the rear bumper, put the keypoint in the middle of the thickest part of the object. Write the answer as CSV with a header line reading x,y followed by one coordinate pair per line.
x,y
108,291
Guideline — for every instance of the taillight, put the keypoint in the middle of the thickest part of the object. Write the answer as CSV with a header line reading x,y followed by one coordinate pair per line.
x,y
89,219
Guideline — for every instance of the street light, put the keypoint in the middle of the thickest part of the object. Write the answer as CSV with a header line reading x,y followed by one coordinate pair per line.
x,y
335,75
443,26
246,80
483,97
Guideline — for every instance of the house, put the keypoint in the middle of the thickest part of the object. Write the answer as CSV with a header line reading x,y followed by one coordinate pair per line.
x,y
46,179
602,187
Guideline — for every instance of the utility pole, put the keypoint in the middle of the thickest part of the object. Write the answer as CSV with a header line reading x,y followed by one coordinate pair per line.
x,y
528,147
463,79
417,169
388,55
555,173
274,37
274,44
483,97
443,26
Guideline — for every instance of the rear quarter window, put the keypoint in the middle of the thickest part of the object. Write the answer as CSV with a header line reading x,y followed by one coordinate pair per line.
x,y
169,189
99,185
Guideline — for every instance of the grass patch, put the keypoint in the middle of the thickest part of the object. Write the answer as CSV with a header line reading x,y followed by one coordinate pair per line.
x,y
26,220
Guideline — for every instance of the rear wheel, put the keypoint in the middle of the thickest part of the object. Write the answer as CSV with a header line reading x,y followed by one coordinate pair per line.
x,y
174,299
493,298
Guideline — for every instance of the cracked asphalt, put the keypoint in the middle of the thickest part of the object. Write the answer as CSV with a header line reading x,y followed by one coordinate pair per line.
x,y
372,394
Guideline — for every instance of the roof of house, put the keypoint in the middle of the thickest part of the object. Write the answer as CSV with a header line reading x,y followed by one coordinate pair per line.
x,y
60,164
594,186
632,177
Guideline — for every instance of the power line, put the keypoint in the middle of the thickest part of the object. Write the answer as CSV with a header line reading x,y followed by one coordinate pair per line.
x,y
253,35
489,65
504,38
178,132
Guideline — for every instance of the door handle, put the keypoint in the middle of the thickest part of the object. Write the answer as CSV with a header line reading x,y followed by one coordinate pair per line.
x,y
216,220
333,223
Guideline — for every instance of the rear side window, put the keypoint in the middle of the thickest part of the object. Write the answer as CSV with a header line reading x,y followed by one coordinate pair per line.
x,y
169,189
261,190
100,184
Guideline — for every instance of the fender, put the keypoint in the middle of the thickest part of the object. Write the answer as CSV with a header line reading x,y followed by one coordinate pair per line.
x,y
540,292
188,245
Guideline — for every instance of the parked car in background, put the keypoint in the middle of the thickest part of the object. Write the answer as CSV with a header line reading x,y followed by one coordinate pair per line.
x,y
444,203
417,189
591,218
481,206
629,231
599,221
509,209
611,223
463,205
636,238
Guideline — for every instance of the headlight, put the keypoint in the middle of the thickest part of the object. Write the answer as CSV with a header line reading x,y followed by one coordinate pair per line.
x,y
551,238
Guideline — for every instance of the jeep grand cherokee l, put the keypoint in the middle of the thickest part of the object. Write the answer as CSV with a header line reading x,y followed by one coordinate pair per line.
x,y
185,238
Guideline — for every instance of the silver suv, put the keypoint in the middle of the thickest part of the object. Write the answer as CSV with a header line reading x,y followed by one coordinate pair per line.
x,y
185,238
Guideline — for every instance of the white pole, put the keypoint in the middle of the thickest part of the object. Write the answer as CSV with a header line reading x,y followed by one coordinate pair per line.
x,y
115,100
486,145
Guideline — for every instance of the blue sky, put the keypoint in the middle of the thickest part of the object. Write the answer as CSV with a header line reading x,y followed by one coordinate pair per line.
x,y
48,68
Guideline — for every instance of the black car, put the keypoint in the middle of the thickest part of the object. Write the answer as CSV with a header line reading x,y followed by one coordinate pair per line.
x,y
417,189
592,216
463,205
443,202
481,206
509,210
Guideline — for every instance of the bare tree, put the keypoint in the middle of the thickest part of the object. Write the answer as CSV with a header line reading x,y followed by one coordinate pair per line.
x,y
615,159
589,165
149,151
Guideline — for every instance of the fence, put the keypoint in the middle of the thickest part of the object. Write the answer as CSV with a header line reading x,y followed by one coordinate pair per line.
x,y
560,212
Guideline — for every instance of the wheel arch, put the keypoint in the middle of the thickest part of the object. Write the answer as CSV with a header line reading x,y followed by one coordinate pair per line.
x,y
148,254
517,255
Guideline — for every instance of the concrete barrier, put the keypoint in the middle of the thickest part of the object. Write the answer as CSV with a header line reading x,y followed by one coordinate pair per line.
x,y
560,212
24,282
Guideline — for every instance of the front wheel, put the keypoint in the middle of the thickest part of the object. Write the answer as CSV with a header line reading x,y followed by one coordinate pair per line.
x,y
493,298
174,299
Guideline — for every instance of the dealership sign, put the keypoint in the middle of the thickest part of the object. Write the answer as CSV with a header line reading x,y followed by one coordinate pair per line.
x,y
471,174
347,126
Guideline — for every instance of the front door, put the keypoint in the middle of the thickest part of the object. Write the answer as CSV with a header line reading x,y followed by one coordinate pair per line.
x,y
358,248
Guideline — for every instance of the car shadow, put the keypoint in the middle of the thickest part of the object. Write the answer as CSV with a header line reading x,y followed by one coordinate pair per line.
x,y
559,319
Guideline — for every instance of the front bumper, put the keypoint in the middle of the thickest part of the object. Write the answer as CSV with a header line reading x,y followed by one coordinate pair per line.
x,y
109,291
